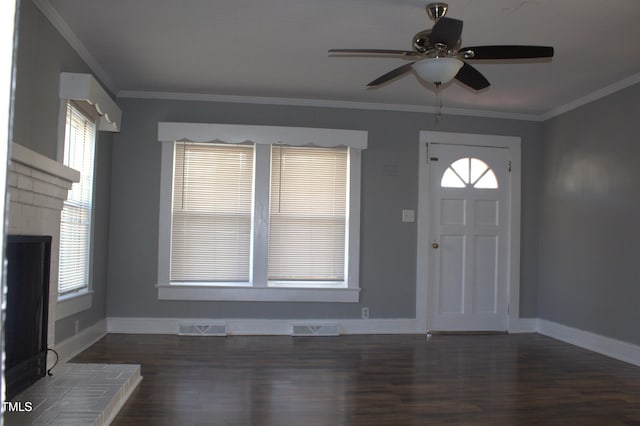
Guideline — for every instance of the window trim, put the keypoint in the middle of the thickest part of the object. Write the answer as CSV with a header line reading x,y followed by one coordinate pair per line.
x,y
85,91
261,135
257,289
70,304
84,87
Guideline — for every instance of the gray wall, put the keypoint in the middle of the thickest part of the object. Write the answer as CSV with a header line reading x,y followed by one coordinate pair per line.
x,y
42,55
590,218
580,200
388,246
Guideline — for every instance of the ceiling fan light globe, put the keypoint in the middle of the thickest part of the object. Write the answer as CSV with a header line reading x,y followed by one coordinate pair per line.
x,y
437,70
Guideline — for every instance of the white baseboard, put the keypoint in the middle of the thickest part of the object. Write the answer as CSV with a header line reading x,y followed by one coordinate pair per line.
x,y
263,327
72,346
613,348
523,325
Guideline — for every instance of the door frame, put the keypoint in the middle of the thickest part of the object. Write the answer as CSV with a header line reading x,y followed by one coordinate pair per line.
x,y
423,273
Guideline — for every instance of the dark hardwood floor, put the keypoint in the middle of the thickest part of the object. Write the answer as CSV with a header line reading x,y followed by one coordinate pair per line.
x,y
370,380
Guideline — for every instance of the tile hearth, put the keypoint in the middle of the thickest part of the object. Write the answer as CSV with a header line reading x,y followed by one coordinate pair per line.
x,y
77,394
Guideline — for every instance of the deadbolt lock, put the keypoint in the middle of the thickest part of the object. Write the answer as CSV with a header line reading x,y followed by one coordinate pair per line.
x,y
435,245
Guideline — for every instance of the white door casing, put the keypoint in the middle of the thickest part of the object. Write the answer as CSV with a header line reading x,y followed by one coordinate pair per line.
x,y
471,280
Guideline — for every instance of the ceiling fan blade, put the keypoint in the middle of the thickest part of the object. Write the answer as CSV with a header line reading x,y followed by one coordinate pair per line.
x,y
446,31
375,52
472,77
396,72
508,52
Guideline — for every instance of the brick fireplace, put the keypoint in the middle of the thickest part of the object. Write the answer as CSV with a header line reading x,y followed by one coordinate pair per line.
x,y
37,187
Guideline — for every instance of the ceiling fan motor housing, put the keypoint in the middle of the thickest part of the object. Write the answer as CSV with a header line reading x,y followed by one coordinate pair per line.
x,y
421,41
422,44
437,10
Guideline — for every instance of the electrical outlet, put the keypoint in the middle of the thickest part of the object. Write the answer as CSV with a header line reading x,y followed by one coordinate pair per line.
x,y
408,215
365,312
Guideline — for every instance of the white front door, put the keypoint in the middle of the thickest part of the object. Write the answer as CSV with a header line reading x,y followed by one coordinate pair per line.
x,y
468,237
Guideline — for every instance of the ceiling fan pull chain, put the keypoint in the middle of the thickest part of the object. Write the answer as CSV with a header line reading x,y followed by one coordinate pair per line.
x,y
439,109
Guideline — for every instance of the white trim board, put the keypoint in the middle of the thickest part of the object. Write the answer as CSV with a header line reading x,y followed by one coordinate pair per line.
x,y
523,325
84,87
262,135
612,348
134,325
267,327
67,306
257,294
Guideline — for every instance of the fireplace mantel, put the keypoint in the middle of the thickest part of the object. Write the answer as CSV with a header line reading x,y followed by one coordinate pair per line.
x,y
29,158
37,187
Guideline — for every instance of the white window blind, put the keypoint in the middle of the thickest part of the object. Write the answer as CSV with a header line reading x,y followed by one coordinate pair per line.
x,y
308,213
212,212
75,225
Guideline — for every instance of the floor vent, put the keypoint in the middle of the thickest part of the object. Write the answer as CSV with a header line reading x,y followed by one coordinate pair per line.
x,y
315,330
202,329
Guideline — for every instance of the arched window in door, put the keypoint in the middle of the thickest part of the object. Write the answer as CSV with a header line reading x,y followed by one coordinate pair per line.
x,y
469,173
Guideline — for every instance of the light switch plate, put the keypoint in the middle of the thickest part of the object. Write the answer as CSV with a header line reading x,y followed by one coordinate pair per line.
x,y
408,215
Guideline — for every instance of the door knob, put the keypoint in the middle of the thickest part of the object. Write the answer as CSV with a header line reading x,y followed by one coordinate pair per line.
x,y
435,245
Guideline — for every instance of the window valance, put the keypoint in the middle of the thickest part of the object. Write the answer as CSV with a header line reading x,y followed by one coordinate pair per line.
x,y
232,133
83,87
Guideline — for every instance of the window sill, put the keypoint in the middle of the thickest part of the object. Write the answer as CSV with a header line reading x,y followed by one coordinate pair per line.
x,y
71,304
257,294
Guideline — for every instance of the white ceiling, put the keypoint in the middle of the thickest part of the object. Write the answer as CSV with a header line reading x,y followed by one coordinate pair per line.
x,y
278,48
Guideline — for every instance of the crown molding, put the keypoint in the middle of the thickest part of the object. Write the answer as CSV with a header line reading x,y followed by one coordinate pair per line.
x,y
554,112
65,31
591,97
63,28
322,103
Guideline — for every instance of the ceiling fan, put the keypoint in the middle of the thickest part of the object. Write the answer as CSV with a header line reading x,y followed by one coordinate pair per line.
x,y
439,57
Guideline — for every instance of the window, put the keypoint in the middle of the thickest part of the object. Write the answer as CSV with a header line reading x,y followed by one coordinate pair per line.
x,y
265,216
75,224
308,215
212,205
469,172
